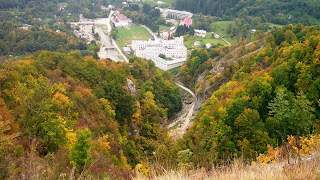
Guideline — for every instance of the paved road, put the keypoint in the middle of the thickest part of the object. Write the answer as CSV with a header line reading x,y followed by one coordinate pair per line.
x,y
183,122
107,50
109,30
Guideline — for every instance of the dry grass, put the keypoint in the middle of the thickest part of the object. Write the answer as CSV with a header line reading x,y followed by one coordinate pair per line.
x,y
309,170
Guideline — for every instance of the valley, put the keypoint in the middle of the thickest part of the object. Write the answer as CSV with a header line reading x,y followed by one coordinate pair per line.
x,y
172,89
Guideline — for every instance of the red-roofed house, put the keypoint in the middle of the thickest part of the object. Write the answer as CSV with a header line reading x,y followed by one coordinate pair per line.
x,y
187,21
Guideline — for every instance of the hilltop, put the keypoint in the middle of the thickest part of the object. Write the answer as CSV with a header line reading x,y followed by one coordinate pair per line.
x,y
274,11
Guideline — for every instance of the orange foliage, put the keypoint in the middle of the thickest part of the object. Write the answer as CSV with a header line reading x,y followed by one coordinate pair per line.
x,y
61,99
82,91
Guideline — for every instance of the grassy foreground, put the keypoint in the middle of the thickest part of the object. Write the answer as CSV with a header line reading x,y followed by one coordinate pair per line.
x,y
238,171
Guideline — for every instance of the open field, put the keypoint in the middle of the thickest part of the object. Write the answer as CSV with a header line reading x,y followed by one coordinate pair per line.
x,y
168,3
189,41
135,32
164,27
221,28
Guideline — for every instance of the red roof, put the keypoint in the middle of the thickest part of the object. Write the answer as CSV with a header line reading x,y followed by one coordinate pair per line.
x,y
187,21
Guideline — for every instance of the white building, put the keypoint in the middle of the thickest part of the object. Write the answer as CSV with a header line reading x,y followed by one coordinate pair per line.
x,y
200,33
174,14
126,49
215,35
174,51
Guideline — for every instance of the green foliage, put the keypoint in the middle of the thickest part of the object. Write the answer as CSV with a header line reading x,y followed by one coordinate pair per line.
x,y
184,158
183,30
271,94
145,14
160,84
39,112
275,11
16,41
52,95
195,65
290,115
80,152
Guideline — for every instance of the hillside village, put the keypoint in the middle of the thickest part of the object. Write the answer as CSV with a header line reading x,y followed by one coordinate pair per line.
x,y
163,48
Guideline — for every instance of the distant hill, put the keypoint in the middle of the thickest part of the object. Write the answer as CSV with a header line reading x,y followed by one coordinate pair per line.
x,y
275,11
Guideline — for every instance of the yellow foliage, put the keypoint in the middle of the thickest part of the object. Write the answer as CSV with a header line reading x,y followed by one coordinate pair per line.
x,y
61,100
101,146
271,155
317,55
103,143
71,138
295,147
82,91
143,169
310,144
136,117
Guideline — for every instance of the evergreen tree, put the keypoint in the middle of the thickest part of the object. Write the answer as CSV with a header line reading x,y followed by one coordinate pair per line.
x,y
80,152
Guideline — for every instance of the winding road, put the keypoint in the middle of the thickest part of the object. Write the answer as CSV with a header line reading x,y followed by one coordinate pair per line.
x,y
180,125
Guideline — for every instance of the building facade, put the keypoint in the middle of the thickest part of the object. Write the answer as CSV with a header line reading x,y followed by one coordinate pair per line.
x,y
166,54
175,14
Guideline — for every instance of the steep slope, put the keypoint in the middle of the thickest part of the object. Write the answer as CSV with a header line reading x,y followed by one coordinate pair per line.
x,y
263,96
63,111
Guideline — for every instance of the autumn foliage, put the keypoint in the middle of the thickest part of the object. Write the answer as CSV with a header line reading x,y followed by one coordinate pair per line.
x,y
82,115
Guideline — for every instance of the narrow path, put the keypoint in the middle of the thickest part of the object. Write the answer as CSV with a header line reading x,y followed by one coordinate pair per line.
x,y
180,125
223,39
119,50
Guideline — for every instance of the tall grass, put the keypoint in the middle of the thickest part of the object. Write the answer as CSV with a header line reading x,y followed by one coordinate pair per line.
x,y
306,170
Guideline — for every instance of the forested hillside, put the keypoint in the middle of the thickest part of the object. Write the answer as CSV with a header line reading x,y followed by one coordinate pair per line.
x,y
27,26
266,95
60,111
64,114
15,40
275,11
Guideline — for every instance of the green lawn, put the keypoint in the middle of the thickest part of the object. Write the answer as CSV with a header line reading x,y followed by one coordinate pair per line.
x,y
189,41
221,27
164,27
168,3
135,32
